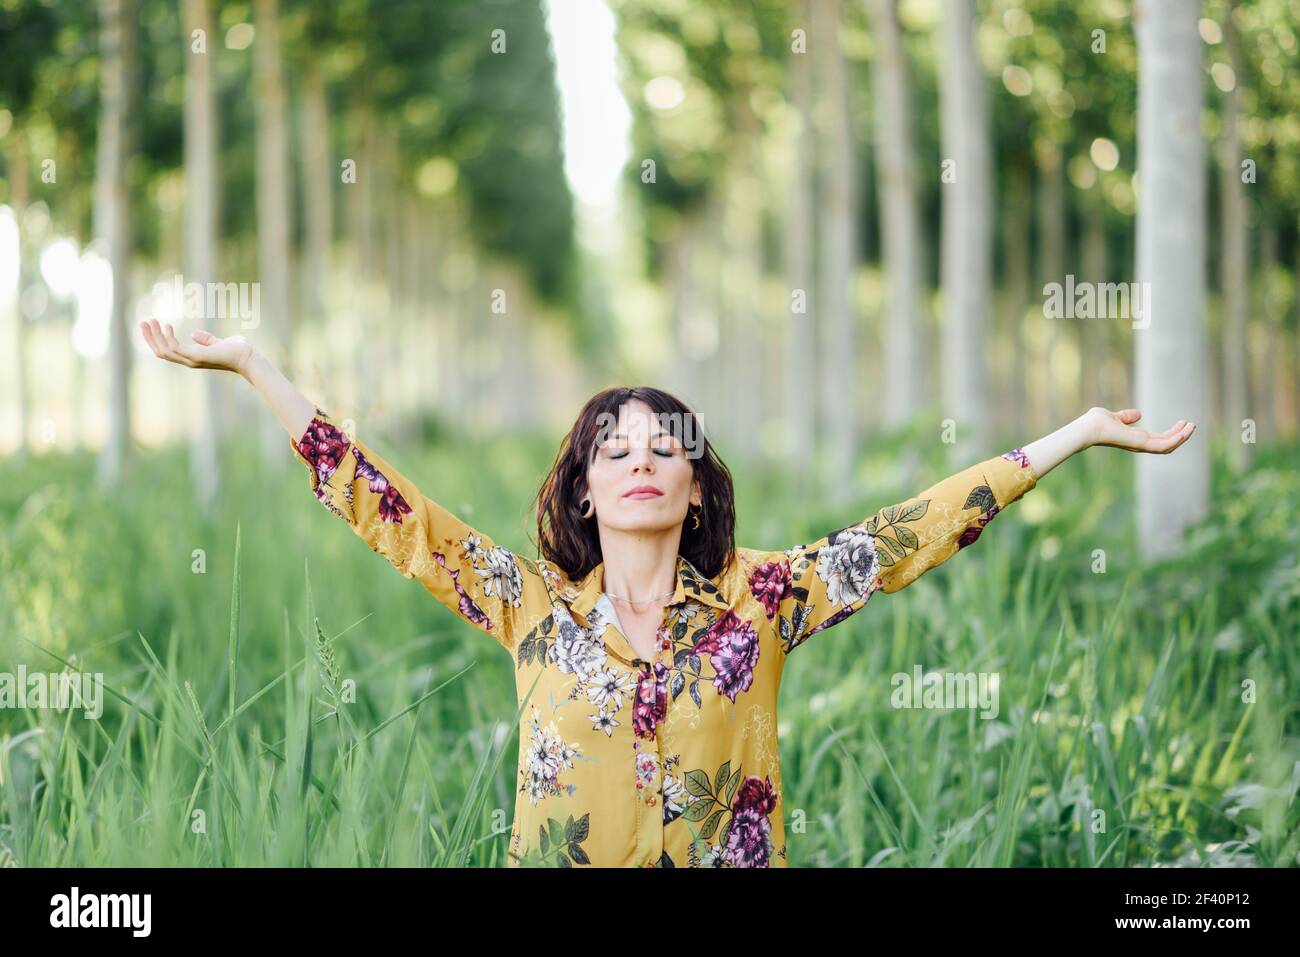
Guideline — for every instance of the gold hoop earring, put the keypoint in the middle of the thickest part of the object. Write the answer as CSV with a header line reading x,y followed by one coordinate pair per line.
x,y
700,509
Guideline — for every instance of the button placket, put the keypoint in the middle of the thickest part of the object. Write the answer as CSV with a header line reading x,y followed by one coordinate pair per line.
x,y
665,656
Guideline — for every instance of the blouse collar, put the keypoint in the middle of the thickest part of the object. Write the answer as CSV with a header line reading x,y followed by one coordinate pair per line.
x,y
691,584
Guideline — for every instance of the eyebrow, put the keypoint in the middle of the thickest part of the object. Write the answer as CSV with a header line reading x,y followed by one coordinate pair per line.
x,y
657,435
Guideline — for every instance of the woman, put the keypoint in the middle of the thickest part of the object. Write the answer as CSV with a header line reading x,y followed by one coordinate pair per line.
x,y
656,645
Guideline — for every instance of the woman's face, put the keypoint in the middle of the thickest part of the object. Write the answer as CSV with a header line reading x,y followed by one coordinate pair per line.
x,y
636,453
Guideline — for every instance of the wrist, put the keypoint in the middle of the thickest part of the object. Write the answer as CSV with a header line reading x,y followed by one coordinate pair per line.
x,y
252,363
1086,430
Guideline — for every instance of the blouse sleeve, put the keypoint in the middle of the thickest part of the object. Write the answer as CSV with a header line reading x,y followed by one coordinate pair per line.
x,y
809,588
479,580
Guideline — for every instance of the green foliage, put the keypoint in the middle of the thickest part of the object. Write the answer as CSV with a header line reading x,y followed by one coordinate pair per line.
x,y
1120,691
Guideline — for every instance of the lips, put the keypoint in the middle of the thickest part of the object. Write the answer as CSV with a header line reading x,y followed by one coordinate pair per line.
x,y
643,491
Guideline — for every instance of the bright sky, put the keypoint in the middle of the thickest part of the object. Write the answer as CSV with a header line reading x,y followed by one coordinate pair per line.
x,y
596,118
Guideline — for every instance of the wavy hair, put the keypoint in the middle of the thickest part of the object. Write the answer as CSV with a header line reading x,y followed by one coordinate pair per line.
x,y
572,542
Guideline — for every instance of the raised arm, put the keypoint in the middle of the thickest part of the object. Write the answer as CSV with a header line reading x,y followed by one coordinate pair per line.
x,y
464,569
809,588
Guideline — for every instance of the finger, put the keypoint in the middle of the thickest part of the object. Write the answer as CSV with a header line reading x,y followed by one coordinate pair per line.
x,y
1174,443
144,334
1178,438
168,344
155,339
1129,416
182,354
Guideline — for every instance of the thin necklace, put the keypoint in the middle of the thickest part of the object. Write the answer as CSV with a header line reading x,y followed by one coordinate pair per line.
x,y
646,601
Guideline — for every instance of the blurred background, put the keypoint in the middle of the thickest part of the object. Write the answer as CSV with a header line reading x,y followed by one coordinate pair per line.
x,y
841,231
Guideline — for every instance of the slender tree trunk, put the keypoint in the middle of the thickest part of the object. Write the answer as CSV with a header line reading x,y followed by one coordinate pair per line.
x,y
19,194
689,323
1173,490
447,303
1097,330
900,216
744,276
113,221
274,264
200,233
1234,271
798,262
1016,257
1265,397
837,381
1051,268
967,264
388,291
414,331
318,176
719,416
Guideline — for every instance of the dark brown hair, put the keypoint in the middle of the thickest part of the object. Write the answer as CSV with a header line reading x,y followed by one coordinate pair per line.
x,y
572,542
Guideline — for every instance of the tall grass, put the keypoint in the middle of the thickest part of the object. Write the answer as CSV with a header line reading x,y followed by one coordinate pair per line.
x,y
277,694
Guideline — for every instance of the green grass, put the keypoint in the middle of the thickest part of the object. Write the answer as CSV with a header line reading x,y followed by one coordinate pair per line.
x,y
277,694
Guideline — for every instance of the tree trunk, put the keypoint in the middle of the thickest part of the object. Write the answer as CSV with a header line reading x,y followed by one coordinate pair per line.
x,y
690,322
1096,330
1265,397
900,216
836,379
112,223
275,332
1234,272
1051,268
318,176
200,237
19,193
966,248
799,338
1173,490
1015,251
744,276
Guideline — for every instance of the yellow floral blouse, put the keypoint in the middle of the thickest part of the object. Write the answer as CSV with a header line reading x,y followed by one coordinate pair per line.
x,y
664,763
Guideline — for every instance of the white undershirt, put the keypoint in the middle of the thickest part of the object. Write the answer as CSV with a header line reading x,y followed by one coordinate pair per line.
x,y
610,612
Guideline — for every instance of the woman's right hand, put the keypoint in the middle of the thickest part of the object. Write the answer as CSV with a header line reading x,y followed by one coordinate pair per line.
x,y
206,351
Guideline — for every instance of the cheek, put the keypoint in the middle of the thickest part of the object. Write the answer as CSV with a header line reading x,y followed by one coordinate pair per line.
x,y
682,477
600,481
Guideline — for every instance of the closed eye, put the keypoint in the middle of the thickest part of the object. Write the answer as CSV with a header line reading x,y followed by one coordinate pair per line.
x,y
666,453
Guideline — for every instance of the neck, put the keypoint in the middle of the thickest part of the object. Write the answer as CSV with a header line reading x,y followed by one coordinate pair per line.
x,y
640,567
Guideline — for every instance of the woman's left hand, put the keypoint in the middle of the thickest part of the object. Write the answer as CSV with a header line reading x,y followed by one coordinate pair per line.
x,y
1116,430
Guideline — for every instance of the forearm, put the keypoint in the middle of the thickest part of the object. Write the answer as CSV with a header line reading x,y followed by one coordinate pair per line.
x,y
1051,450
293,409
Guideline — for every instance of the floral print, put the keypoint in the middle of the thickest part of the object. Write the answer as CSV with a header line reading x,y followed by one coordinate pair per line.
x,y
499,575
1018,456
732,647
651,700
547,755
391,505
749,834
671,762
770,583
849,566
